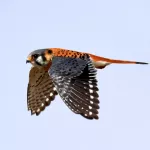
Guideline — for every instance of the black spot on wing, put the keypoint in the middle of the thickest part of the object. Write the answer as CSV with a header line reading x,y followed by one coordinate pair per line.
x,y
76,83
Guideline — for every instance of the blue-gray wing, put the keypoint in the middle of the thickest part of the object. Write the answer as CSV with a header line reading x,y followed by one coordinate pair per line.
x,y
75,81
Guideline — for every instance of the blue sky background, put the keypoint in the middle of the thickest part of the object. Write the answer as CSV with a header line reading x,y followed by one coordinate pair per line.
x,y
114,29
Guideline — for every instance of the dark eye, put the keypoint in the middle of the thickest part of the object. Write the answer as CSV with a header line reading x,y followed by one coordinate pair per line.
x,y
49,51
35,55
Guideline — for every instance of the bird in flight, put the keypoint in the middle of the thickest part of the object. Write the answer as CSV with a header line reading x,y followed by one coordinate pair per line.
x,y
70,74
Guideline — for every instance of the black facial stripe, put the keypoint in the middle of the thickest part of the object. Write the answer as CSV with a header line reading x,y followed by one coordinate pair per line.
x,y
38,63
43,57
50,51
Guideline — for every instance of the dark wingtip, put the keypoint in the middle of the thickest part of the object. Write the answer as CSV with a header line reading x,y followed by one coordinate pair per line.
x,y
142,63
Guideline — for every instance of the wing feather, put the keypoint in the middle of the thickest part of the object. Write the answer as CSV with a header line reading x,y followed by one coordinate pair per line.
x,y
75,81
40,91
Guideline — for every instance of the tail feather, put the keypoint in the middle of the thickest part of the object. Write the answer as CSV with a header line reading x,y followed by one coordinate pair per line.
x,y
101,62
142,63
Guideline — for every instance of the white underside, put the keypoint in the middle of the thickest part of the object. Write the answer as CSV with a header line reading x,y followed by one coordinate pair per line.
x,y
100,63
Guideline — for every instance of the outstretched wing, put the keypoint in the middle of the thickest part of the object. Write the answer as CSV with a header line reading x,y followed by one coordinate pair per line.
x,y
75,81
41,90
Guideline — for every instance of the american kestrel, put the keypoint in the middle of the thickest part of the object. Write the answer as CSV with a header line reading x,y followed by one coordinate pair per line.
x,y
70,74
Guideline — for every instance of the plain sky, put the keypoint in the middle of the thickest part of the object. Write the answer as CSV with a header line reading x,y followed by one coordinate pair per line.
x,y
111,28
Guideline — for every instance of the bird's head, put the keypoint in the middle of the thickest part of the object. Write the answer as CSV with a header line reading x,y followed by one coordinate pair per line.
x,y
40,57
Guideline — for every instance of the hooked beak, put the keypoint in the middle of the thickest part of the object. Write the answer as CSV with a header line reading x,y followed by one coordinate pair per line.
x,y
27,61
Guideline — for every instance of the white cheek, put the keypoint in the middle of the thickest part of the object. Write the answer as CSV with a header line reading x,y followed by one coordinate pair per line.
x,y
39,59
